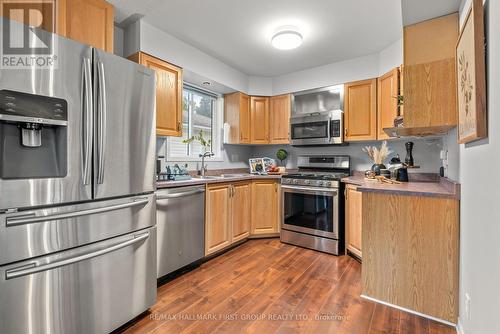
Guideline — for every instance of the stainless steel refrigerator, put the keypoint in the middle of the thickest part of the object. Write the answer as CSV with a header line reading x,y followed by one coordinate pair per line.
x,y
77,208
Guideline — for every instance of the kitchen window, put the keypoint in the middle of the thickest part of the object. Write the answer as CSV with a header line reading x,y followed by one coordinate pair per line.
x,y
201,111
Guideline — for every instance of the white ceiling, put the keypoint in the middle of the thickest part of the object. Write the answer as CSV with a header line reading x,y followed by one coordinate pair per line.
x,y
415,11
238,32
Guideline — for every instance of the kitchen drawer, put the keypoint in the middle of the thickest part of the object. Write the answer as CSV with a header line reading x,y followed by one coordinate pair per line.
x,y
37,232
90,289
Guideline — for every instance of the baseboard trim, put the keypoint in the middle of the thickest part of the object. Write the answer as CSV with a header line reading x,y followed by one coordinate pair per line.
x,y
411,311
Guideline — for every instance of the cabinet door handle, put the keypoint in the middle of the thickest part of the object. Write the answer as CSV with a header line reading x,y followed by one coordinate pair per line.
x,y
345,132
178,126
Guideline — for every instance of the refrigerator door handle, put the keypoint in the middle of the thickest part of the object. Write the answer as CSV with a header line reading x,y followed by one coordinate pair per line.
x,y
88,121
101,122
33,218
33,268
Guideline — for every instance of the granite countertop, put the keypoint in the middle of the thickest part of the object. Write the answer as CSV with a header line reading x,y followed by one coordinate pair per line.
x,y
437,187
197,181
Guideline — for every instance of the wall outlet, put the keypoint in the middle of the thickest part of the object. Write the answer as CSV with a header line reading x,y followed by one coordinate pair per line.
x,y
467,306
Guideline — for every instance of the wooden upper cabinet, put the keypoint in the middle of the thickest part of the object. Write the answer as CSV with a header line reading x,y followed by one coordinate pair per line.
x,y
279,119
429,73
259,116
387,102
265,207
360,110
237,115
240,210
353,220
87,21
217,217
168,94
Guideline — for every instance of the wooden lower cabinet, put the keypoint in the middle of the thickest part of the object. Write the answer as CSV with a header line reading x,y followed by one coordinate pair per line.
x,y
411,252
265,207
227,214
217,217
240,210
353,220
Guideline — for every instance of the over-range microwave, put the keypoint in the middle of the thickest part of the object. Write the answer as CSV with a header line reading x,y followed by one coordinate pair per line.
x,y
322,128
317,117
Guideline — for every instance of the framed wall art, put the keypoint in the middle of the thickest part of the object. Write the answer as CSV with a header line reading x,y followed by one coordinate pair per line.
x,y
471,85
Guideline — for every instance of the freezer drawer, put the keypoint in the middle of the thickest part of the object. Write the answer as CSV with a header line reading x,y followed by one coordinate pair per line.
x,y
90,289
38,232
180,219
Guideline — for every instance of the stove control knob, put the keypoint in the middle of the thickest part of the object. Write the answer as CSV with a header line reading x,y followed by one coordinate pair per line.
x,y
320,183
295,181
328,184
307,182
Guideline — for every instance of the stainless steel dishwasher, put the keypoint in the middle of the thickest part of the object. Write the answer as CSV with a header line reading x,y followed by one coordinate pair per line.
x,y
180,218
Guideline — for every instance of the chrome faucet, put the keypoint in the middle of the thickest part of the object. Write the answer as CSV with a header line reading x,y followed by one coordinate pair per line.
x,y
203,168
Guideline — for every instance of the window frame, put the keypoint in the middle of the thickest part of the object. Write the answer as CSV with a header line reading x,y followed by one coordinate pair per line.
x,y
217,120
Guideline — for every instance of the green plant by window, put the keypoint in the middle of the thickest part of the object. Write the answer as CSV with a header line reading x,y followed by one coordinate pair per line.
x,y
206,143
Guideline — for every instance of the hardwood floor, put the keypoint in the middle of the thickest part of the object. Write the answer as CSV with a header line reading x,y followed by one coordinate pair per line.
x,y
264,286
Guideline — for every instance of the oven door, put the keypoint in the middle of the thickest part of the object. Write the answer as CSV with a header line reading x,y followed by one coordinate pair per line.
x,y
311,210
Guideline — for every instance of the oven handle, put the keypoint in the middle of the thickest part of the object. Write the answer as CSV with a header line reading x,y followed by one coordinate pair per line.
x,y
309,190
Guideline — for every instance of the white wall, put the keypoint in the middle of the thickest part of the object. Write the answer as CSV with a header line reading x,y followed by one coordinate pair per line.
x,y
390,57
479,208
425,153
361,68
132,39
336,73
118,40
260,86
165,46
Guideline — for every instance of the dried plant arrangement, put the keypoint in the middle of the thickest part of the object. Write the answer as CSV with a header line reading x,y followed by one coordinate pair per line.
x,y
378,155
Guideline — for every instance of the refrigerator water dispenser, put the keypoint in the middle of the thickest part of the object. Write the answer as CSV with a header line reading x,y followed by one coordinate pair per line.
x,y
33,136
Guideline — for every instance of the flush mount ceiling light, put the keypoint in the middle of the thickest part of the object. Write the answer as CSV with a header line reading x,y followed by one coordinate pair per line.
x,y
287,38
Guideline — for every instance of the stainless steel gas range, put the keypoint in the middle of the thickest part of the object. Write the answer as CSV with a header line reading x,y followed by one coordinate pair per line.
x,y
313,203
